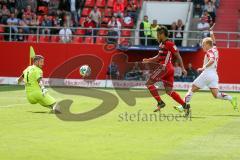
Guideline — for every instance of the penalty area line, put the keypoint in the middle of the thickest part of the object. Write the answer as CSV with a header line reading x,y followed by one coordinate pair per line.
x,y
13,105
9,97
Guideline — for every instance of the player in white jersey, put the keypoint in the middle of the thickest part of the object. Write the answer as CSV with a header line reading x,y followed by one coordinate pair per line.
x,y
209,76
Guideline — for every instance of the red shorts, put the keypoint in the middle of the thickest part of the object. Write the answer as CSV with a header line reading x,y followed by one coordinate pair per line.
x,y
166,76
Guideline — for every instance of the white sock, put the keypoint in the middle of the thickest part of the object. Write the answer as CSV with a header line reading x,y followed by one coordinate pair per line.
x,y
56,107
224,96
188,96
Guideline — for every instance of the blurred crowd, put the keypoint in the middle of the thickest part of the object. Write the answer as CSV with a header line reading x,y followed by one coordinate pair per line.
x,y
207,14
192,73
205,10
64,13
31,13
139,74
148,32
71,13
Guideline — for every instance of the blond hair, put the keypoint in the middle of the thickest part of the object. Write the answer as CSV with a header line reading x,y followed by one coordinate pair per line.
x,y
208,41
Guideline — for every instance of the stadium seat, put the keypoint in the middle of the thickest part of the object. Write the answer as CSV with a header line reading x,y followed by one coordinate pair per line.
x,y
80,32
88,40
126,33
89,3
77,39
81,20
102,11
1,38
125,3
110,3
100,3
86,12
32,38
108,12
1,29
55,39
102,32
100,40
43,38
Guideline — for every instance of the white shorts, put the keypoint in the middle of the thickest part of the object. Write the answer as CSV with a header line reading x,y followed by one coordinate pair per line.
x,y
207,78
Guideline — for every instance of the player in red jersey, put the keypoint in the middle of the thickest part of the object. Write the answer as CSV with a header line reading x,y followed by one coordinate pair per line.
x,y
165,71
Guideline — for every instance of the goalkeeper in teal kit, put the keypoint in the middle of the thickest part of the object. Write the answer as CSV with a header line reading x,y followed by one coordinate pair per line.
x,y
35,90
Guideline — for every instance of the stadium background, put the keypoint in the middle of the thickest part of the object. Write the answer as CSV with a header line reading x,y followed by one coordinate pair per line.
x,y
56,54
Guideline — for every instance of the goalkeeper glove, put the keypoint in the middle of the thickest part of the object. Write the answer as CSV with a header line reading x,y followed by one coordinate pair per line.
x,y
44,91
17,81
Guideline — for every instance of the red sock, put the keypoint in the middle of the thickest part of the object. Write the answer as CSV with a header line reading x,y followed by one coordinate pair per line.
x,y
154,92
177,97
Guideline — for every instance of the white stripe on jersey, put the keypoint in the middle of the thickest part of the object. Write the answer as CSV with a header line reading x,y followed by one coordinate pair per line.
x,y
167,58
157,71
211,54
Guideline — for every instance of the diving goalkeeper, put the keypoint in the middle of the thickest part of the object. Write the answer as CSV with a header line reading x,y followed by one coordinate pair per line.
x,y
35,90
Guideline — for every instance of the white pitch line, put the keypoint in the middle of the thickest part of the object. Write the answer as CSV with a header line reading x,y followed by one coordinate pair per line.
x,y
12,105
10,97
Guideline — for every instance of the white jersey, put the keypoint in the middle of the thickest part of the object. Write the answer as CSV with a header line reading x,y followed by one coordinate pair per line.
x,y
209,76
211,54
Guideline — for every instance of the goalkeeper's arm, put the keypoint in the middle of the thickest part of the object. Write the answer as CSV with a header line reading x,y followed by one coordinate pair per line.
x,y
44,90
20,79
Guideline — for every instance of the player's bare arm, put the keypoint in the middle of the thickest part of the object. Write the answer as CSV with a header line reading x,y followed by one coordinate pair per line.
x,y
153,59
179,58
212,34
20,79
213,37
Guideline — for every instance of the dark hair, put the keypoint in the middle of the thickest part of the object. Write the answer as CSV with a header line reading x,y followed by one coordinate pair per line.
x,y
164,30
37,58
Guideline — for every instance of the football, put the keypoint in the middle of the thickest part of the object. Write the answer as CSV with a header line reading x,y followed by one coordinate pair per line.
x,y
85,70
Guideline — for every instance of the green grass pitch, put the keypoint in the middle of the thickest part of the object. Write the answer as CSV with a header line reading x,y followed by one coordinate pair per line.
x,y
28,132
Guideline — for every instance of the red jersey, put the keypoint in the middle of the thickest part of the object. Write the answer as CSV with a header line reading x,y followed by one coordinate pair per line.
x,y
166,50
